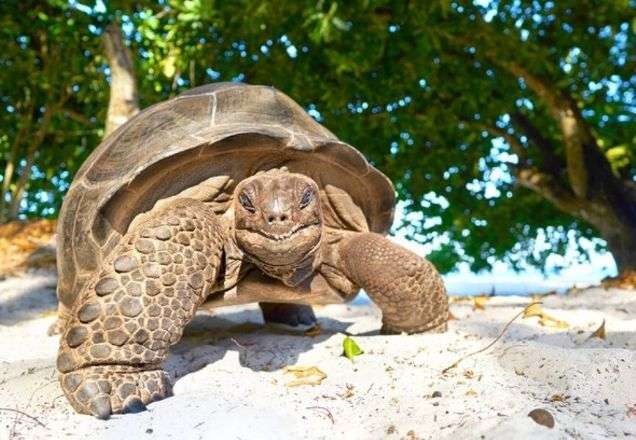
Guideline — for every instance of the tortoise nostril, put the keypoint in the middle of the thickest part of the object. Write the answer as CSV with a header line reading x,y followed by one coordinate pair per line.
x,y
280,218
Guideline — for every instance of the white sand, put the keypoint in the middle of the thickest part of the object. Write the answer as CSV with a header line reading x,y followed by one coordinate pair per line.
x,y
230,383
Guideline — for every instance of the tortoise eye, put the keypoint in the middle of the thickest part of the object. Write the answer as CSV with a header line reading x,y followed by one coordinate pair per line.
x,y
246,203
307,197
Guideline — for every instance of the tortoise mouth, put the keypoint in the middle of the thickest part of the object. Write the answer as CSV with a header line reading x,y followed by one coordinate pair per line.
x,y
287,235
282,249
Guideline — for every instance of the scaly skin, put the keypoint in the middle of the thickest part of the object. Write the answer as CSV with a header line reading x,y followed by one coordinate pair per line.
x,y
136,307
406,287
123,322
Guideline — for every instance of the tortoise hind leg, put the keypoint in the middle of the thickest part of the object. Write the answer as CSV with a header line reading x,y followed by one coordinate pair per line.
x,y
406,287
297,316
129,314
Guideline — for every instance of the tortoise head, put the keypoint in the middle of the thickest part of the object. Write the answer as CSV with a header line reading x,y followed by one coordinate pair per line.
x,y
278,217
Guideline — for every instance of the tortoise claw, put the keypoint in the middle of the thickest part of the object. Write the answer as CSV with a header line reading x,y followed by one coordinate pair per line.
x,y
100,406
105,390
133,405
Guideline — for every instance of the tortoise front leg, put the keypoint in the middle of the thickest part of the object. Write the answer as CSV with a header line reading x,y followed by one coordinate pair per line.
x,y
406,287
123,323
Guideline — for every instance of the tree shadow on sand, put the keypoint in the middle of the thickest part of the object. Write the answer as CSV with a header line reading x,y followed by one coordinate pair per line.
x,y
27,297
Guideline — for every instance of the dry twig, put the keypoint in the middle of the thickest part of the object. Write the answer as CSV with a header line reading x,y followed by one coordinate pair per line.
x,y
456,363
25,415
326,410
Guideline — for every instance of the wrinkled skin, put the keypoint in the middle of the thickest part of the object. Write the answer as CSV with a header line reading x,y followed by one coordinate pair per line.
x,y
170,260
278,218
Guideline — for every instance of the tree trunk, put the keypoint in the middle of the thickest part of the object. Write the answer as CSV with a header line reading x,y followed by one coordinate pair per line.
x,y
124,101
622,245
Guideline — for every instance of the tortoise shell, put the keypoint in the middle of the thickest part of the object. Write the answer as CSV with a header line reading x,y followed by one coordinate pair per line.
x,y
225,129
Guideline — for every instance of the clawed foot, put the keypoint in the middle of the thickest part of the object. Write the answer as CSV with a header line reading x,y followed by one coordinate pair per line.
x,y
105,390
296,316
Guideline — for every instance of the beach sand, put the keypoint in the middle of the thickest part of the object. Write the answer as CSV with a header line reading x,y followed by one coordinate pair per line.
x,y
230,382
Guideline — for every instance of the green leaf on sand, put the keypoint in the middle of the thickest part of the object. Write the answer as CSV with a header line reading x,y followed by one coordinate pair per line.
x,y
350,348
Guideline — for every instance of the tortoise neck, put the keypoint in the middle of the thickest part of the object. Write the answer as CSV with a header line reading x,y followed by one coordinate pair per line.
x,y
294,273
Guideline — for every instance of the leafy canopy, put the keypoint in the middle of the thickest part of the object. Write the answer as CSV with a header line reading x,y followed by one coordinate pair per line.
x,y
421,88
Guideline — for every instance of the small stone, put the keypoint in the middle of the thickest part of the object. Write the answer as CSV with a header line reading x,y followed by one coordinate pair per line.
x,y
88,312
152,270
542,417
125,263
189,225
76,336
163,233
144,246
130,307
100,351
173,221
106,286
436,394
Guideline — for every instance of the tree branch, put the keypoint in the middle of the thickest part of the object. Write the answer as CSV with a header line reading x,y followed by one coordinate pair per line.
x,y
581,148
9,169
77,116
545,147
124,100
548,187
23,180
577,137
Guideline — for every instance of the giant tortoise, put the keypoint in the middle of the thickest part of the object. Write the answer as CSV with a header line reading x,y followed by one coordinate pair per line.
x,y
227,194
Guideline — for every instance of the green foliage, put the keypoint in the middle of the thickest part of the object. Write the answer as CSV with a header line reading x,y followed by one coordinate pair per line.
x,y
416,86
53,97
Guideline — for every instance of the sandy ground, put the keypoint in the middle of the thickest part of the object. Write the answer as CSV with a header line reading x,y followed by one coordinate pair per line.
x,y
230,382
